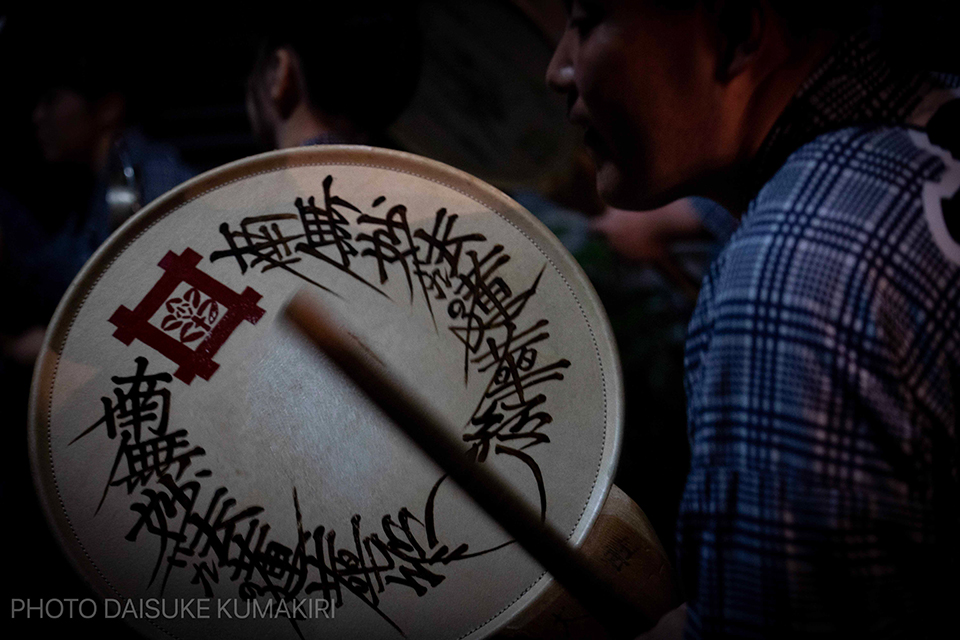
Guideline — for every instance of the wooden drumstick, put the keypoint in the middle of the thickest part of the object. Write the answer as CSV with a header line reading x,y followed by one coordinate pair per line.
x,y
571,569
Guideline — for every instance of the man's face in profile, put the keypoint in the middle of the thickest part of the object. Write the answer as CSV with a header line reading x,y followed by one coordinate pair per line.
x,y
259,109
641,80
66,126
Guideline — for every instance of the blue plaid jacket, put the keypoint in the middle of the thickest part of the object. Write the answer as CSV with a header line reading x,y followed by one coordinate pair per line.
x,y
822,377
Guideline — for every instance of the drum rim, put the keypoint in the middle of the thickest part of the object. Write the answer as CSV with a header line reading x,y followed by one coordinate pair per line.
x,y
45,481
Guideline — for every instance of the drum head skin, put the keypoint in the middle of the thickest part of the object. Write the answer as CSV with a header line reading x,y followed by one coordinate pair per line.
x,y
209,470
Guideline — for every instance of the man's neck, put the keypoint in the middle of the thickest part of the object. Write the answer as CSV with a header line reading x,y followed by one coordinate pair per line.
x,y
764,106
100,153
305,125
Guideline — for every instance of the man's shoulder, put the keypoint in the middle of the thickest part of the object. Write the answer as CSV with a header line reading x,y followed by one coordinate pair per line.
x,y
878,196
857,175
844,234
834,287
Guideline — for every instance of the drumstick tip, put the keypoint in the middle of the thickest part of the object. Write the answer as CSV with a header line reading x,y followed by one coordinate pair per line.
x,y
311,318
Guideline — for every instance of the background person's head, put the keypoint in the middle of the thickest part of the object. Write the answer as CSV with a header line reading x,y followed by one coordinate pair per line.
x,y
341,72
677,95
83,85
77,129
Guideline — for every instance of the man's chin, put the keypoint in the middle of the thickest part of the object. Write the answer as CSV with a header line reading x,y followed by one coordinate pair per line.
x,y
620,192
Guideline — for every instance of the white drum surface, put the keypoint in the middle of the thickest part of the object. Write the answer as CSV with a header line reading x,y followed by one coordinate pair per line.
x,y
191,446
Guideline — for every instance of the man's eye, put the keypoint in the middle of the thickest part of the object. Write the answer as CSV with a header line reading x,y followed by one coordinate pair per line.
x,y
583,27
584,17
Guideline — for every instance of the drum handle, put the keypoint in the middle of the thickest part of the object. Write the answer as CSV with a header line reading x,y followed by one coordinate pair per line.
x,y
625,552
621,617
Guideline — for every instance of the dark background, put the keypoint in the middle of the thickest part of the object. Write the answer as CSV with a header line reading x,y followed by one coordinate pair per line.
x,y
189,70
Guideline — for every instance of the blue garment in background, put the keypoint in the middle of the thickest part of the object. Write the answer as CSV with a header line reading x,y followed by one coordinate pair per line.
x,y
39,265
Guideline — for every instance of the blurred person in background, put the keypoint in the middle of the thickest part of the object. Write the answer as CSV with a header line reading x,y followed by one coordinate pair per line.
x,y
100,169
342,86
94,168
646,268
649,237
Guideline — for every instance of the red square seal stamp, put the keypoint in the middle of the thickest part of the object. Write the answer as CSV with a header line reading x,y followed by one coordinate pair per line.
x,y
187,316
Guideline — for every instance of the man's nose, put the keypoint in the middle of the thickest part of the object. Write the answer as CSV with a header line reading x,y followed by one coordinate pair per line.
x,y
560,74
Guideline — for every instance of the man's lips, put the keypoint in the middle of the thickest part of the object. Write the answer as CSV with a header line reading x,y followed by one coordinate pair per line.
x,y
594,141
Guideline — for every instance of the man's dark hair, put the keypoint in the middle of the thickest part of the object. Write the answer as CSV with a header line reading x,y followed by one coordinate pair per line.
x,y
360,60
802,16
88,55
918,32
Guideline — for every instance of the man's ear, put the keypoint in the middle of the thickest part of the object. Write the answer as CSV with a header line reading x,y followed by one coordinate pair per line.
x,y
740,27
283,82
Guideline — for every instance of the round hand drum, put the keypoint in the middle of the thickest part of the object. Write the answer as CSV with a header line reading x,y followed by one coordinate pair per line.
x,y
194,452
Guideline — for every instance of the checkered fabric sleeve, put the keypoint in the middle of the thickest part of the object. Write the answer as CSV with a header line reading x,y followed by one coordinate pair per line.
x,y
822,369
